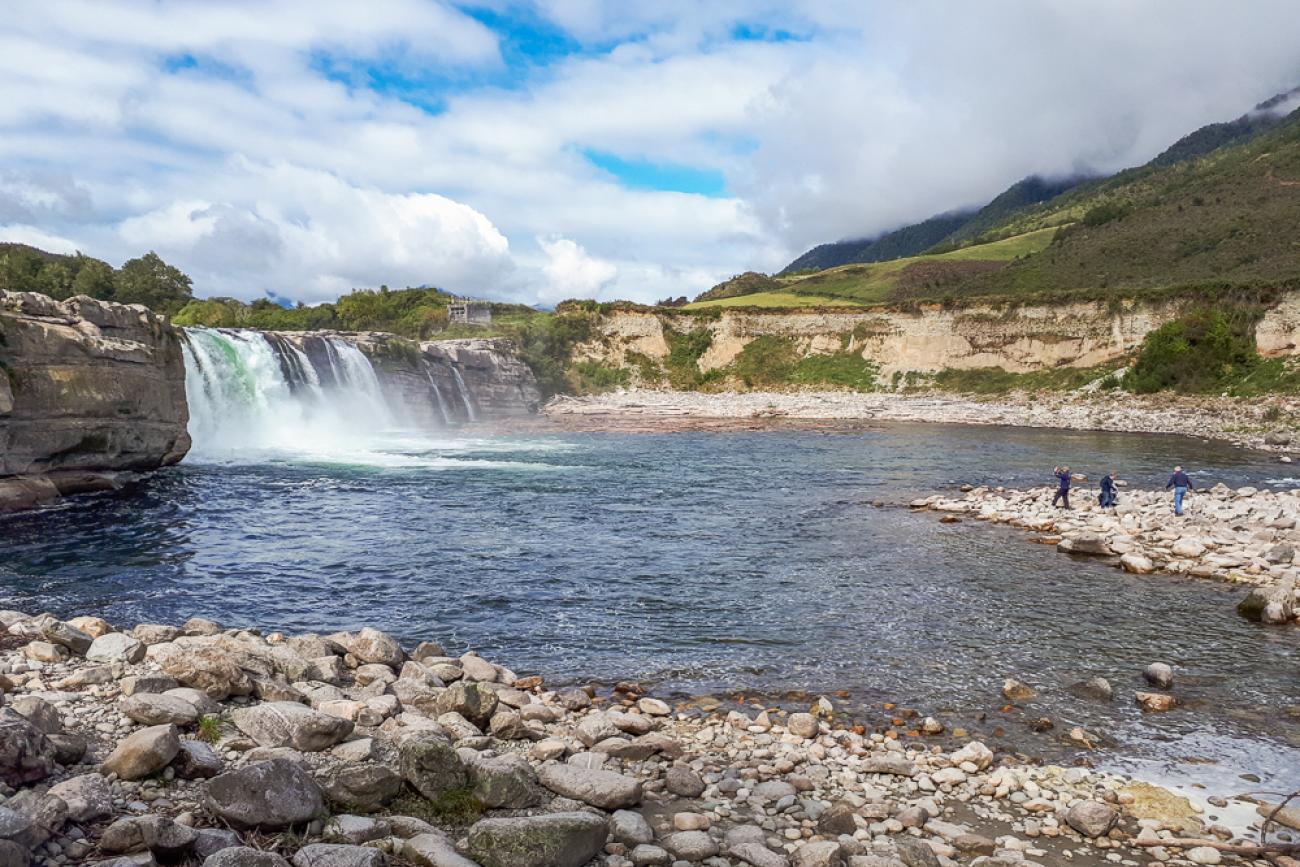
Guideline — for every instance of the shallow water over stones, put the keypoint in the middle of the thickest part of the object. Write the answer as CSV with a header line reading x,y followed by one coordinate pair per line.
x,y
704,562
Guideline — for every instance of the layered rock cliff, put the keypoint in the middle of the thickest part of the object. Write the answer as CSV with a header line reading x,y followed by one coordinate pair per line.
x,y
927,339
439,382
89,391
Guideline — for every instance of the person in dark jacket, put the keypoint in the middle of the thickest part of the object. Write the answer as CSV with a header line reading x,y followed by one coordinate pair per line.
x,y
1109,495
1181,484
1063,486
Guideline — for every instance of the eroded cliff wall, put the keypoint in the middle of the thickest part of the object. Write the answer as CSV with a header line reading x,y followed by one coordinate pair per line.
x,y
89,390
442,382
928,339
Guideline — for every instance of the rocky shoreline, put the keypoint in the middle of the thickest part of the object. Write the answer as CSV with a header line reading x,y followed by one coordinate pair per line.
x,y
1245,535
1263,423
233,748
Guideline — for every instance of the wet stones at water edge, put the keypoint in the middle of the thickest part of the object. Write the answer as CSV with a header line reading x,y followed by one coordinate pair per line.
x,y
229,747
1245,535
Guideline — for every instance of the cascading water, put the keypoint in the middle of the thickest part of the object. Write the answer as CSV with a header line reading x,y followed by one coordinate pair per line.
x,y
465,397
251,393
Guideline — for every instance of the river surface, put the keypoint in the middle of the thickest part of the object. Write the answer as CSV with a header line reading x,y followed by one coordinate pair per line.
x,y
705,563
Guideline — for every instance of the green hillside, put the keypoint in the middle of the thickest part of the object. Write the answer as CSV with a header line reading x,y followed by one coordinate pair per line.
x,y
1229,217
929,275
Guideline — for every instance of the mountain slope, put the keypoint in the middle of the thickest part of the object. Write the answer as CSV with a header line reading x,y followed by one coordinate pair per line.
x,y
949,230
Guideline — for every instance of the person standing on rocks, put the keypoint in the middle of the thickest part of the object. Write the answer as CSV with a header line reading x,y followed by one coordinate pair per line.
x,y
1109,495
1063,486
1181,484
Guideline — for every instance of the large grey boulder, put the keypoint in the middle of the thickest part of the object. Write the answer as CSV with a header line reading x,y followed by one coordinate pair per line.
x,y
474,701
157,834
1091,818
362,786
205,668
434,849
554,840
143,753
272,794
244,856
88,796
371,645
691,845
116,647
338,855
156,710
288,724
506,782
430,764
605,789
26,755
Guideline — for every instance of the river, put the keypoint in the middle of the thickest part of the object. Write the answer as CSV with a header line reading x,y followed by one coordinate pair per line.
x,y
704,563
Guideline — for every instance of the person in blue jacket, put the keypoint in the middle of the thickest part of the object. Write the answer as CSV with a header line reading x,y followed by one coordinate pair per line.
x,y
1109,495
1181,484
1063,486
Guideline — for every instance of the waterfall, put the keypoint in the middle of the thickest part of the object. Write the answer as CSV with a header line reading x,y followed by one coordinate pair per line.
x,y
470,409
251,392
437,395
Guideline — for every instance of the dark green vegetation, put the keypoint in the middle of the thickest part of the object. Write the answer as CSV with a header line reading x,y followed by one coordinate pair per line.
x,y
416,313
146,280
769,362
1210,350
995,380
457,807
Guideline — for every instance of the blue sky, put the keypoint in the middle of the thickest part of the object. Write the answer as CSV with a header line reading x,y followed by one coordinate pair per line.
x,y
536,150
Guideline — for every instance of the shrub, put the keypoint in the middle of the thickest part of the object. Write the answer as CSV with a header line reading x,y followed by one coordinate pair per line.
x,y
1202,351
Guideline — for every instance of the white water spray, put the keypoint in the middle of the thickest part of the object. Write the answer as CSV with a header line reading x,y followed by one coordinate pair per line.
x,y
252,395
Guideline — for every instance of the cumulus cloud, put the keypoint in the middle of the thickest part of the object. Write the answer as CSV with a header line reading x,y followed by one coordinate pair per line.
x,y
571,272
311,235
20,234
269,150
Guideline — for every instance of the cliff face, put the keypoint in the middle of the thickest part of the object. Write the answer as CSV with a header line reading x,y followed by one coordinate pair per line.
x,y
440,382
927,340
89,390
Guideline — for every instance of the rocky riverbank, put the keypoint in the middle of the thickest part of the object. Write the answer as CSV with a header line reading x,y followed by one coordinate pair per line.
x,y
227,747
1243,535
91,394
1256,423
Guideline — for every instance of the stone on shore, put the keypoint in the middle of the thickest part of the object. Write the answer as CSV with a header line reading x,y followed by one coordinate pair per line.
x,y
268,795
502,782
338,855
431,765
155,710
244,856
434,849
554,840
116,647
289,724
26,755
803,725
605,789
144,753
1091,818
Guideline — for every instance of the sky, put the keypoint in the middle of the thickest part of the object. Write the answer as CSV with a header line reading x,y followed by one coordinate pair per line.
x,y
537,151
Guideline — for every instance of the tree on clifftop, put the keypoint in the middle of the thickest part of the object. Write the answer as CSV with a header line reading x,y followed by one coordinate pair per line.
x,y
150,281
